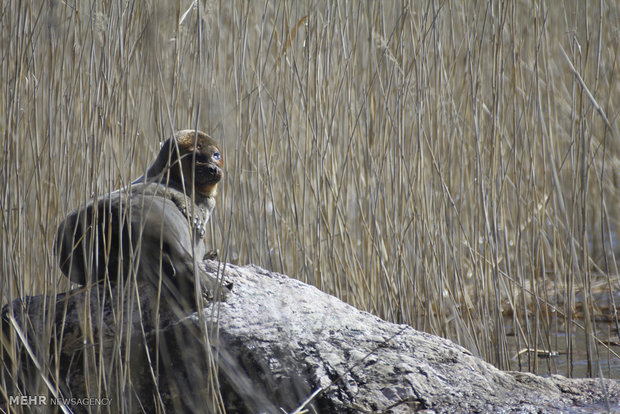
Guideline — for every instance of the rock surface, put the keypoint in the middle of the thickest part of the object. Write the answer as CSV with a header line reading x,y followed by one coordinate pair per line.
x,y
284,345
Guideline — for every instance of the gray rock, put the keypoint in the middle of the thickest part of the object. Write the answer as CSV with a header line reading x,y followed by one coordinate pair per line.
x,y
283,345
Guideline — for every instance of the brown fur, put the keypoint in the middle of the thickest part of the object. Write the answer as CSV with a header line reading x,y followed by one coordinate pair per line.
x,y
207,171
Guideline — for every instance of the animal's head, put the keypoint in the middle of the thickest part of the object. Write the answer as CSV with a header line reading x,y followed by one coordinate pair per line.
x,y
200,160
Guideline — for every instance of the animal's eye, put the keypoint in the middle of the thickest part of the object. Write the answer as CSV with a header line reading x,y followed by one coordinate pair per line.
x,y
217,156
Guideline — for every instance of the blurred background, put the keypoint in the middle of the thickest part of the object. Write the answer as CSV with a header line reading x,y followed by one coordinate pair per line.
x,y
454,166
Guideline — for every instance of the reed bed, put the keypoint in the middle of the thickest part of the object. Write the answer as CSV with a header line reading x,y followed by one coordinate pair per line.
x,y
450,165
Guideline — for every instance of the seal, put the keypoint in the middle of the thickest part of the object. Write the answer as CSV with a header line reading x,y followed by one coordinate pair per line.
x,y
153,228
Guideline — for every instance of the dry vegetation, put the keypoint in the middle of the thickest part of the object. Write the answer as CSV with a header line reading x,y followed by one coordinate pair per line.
x,y
453,166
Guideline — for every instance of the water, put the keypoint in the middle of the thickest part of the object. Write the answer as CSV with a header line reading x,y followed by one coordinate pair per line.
x,y
552,356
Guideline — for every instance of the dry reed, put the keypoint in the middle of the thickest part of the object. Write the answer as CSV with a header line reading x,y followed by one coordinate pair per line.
x,y
450,165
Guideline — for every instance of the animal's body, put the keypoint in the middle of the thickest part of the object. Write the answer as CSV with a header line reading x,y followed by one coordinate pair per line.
x,y
153,228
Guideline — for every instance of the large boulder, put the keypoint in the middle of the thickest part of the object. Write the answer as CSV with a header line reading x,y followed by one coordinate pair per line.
x,y
276,345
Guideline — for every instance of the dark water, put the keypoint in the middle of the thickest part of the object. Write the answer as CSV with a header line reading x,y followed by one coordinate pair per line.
x,y
552,357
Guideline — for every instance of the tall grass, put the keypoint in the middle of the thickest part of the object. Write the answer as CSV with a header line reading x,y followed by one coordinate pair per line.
x,y
449,165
